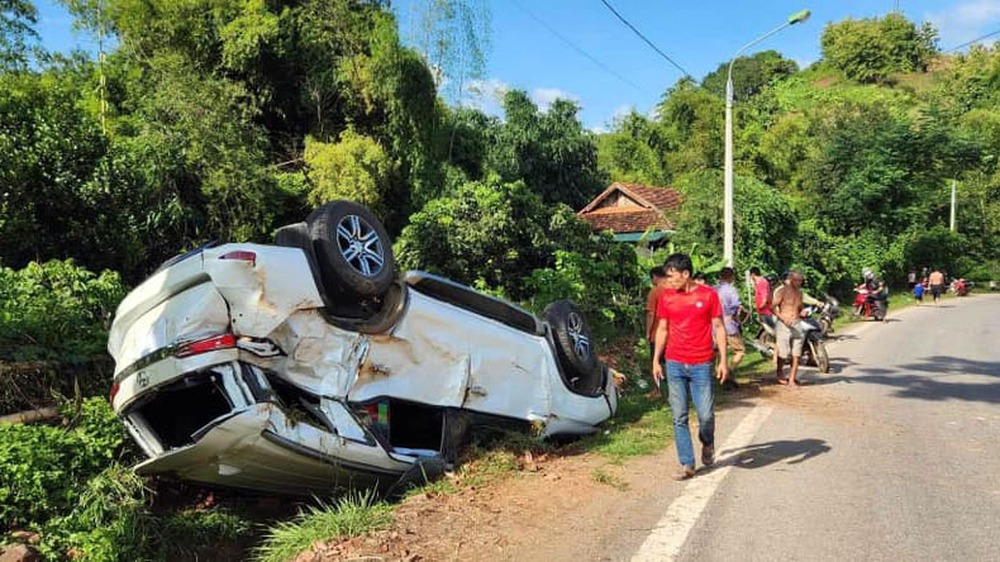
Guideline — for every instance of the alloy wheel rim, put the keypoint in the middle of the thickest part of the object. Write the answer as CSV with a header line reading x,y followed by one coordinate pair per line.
x,y
577,333
360,245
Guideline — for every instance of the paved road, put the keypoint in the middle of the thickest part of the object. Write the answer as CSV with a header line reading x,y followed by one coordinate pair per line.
x,y
894,455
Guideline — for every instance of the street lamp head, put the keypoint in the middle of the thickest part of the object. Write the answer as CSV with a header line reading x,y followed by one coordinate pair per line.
x,y
799,17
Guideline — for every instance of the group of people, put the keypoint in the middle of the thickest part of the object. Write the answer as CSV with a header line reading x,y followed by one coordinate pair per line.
x,y
692,327
933,282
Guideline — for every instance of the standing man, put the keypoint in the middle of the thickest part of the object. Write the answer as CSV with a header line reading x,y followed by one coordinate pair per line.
x,y
787,303
936,281
731,306
658,279
686,317
761,295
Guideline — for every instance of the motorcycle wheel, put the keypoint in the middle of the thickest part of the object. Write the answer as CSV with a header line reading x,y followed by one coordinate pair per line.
x,y
878,313
767,342
820,356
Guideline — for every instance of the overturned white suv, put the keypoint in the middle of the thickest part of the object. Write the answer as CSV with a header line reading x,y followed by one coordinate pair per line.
x,y
310,364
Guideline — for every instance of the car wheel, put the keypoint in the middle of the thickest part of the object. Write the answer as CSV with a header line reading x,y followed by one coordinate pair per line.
x,y
353,250
820,356
574,344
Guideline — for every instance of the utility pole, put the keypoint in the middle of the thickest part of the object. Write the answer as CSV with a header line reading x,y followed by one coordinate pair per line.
x,y
102,79
953,205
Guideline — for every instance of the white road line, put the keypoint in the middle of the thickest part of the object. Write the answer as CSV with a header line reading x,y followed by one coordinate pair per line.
x,y
666,539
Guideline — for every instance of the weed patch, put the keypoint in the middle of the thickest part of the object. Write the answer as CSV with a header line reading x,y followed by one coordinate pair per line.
x,y
606,478
352,515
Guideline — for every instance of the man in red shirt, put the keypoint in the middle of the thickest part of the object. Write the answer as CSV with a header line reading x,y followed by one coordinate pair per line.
x,y
761,294
657,277
686,316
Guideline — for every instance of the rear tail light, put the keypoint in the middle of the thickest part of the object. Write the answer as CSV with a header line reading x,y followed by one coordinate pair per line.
x,y
225,341
378,412
241,255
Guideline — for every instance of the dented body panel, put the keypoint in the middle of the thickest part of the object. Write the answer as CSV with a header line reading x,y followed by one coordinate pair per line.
x,y
228,371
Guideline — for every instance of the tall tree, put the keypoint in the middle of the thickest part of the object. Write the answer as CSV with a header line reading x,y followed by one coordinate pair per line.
x,y
750,74
765,224
870,50
549,150
633,151
454,38
691,121
16,20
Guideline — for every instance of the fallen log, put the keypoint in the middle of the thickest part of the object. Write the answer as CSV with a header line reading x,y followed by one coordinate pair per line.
x,y
31,416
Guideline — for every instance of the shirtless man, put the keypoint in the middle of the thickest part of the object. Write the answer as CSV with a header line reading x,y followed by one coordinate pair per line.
x,y
936,282
787,306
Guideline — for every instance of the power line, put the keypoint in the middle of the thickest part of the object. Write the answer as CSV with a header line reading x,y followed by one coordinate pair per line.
x,y
976,40
575,48
643,37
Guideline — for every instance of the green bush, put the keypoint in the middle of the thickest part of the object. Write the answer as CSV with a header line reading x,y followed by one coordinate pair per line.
x,y
982,272
56,310
605,289
104,524
42,467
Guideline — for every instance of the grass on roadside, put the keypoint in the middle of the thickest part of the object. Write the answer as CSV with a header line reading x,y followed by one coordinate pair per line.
x,y
603,477
642,426
350,516
488,458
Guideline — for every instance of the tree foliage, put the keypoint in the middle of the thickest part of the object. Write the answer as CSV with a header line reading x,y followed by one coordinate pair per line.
x,y
871,50
550,151
490,231
17,18
230,118
764,227
692,123
355,168
751,75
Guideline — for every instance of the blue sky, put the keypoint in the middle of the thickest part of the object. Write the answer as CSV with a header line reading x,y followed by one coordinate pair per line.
x,y
578,49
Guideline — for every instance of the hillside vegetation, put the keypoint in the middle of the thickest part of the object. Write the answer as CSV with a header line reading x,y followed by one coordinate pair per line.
x,y
225,120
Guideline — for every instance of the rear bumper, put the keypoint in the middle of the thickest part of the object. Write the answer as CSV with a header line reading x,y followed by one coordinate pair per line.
x,y
227,426
251,450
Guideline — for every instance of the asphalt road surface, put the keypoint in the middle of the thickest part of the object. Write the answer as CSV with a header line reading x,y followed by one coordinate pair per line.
x,y
893,455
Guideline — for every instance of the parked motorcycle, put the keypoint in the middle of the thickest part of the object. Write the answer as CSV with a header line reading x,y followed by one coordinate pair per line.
x,y
823,314
961,287
813,349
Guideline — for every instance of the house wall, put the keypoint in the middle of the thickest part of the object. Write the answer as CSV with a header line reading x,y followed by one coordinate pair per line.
x,y
617,200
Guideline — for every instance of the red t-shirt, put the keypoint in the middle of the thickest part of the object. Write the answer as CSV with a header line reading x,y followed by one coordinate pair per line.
x,y
689,320
762,291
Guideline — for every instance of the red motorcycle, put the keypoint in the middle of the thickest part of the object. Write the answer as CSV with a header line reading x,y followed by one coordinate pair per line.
x,y
961,287
869,304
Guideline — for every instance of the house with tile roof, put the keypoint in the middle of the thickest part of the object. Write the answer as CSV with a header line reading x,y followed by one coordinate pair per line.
x,y
632,210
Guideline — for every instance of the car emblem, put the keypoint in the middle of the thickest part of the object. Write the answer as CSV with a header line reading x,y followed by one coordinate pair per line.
x,y
142,379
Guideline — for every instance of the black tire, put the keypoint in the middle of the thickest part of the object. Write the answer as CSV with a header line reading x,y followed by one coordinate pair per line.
x,y
819,355
767,343
878,310
352,250
574,345
294,236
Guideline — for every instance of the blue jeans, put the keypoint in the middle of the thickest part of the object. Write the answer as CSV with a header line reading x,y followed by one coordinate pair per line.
x,y
684,379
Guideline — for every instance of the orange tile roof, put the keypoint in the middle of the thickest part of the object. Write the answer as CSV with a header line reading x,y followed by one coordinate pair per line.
x,y
649,204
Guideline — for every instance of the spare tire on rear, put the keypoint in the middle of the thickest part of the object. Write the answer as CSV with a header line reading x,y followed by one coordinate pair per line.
x,y
574,347
352,249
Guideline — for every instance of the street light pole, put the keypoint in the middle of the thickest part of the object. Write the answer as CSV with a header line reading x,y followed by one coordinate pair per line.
x,y
727,240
